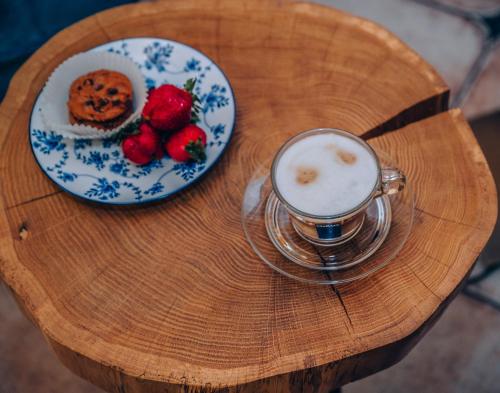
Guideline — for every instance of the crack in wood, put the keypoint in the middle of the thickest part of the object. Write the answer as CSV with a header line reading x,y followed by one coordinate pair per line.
x,y
423,282
334,288
420,210
341,300
35,199
102,28
434,259
421,110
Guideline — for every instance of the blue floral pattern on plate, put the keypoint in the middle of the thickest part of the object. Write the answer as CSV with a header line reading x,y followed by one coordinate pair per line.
x,y
96,169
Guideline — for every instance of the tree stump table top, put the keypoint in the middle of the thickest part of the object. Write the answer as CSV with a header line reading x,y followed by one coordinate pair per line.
x,y
170,297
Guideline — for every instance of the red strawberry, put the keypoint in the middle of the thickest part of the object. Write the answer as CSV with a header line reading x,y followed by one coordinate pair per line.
x,y
168,108
187,144
143,147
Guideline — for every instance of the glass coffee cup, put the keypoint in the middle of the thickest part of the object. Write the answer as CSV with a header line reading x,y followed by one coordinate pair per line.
x,y
326,178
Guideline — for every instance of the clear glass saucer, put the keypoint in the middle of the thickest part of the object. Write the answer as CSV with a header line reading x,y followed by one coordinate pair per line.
x,y
269,231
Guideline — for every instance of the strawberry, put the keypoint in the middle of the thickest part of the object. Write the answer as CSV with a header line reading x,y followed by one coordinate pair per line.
x,y
187,144
168,108
143,147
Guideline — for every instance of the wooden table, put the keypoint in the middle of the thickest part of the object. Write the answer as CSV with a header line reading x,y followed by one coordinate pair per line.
x,y
170,297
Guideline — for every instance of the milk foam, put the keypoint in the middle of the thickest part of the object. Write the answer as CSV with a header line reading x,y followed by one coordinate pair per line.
x,y
326,174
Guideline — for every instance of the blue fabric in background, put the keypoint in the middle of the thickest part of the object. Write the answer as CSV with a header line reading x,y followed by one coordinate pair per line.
x,y
25,25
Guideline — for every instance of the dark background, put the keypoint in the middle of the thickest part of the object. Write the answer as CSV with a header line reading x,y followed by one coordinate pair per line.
x,y
25,25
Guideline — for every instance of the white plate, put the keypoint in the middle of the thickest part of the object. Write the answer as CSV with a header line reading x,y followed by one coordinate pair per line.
x,y
96,170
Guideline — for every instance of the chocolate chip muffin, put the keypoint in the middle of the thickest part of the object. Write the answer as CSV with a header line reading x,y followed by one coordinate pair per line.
x,y
101,99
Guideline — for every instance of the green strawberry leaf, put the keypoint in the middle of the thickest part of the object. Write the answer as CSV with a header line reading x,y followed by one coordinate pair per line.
x,y
195,110
131,128
189,85
196,150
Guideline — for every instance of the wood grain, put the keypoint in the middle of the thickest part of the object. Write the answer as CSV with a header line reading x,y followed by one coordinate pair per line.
x,y
170,297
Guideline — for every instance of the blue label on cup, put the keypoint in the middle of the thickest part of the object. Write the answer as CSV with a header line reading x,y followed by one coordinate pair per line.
x,y
328,231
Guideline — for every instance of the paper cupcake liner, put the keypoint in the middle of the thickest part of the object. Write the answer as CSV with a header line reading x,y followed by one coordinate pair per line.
x,y
54,107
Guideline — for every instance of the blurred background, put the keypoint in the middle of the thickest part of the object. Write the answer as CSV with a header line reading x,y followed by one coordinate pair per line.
x,y
461,39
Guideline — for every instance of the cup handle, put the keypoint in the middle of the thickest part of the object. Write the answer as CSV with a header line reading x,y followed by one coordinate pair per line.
x,y
393,181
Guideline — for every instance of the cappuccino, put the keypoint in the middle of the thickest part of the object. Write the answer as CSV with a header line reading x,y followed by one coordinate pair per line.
x,y
326,174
